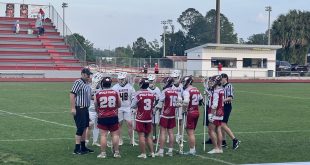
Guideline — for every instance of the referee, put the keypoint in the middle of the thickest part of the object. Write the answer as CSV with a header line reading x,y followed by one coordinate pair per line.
x,y
80,97
228,97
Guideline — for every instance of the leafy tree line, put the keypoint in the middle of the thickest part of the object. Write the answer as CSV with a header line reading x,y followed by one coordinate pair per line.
x,y
291,30
197,29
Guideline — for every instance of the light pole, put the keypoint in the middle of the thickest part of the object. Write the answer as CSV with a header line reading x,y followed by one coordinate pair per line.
x,y
218,22
64,5
268,9
165,27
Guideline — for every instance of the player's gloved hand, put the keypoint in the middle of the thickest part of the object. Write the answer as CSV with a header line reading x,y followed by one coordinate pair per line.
x,y
210,118
134,111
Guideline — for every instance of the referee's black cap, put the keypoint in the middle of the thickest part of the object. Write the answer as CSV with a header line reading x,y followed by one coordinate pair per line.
x,y
86,71
224,75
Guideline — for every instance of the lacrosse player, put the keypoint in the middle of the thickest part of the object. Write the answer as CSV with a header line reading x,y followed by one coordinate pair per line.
x,y
192,98
95,86
107,102
168,98
228,97
144,103
156,91
215,114
177,86
126,92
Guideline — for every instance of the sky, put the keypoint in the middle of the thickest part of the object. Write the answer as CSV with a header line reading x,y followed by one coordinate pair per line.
x,y
113,23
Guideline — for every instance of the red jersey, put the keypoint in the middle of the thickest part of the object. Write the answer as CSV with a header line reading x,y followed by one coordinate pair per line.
x,y
107,101
194,96
169,97
217,102
144,101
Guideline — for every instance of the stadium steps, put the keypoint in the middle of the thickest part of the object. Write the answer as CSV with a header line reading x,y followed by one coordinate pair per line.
x,y
25,51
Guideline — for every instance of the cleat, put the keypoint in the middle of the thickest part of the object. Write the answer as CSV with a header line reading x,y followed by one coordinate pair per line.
x,y
158,154
117,155
87,150
190,153
215,151
169,153
236,143
143,156
102,155
96,144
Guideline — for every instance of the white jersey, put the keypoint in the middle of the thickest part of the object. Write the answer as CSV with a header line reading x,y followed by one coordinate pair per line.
x,y
179,89
155,91
126,94
92,105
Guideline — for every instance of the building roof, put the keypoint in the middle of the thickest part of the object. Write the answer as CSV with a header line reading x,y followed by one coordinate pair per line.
x,y
235,46
177,58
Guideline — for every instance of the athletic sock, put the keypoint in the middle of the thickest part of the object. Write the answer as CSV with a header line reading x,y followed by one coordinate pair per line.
x,y
192,150
83,147
161,151
77,147
170,149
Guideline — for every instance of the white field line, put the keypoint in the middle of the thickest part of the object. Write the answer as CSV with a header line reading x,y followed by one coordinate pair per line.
x,y
265,132
268,94
33,118
29,113
44,139
284,163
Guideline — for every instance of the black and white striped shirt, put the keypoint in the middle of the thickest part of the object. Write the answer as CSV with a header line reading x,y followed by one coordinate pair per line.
x,y
82,92
229,91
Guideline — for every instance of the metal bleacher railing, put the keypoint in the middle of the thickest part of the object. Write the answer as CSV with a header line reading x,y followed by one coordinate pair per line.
x,y
50,12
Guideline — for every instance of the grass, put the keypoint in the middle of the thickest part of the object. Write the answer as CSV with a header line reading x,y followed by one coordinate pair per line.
x,y
270,119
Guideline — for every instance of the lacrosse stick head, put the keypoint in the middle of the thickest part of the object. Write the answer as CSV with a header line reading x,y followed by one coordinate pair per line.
x,y
97,77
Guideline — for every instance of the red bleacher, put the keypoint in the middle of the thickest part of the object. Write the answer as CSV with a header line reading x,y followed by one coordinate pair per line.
x,y
25,51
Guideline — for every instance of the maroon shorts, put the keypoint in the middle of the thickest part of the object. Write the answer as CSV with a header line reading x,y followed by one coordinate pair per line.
x,y
111,128
167,123
143,127
191,121
217,122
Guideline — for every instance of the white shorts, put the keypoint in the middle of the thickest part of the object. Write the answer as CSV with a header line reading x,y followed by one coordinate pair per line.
x,y
93,117
179,112
124,114
156,117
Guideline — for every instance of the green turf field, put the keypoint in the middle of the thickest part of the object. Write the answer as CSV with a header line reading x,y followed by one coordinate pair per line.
x,y
271,120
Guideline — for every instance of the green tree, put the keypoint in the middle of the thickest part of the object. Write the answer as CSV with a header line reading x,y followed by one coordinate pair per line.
x,y
258,39
87,45
292,31
140,48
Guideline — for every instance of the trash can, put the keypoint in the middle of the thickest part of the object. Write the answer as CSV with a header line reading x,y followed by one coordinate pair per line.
x,y
270,73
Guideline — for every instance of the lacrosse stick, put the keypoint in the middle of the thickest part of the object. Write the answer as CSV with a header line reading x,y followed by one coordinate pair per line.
x,y
157,141
133,128
181,146
205,112
154,126
178,123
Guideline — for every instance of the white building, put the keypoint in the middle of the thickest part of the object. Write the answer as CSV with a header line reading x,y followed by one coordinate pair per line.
x,y
238,61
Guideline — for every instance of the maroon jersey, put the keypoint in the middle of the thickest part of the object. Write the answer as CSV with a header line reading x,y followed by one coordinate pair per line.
x,y
144,101
217,102
194,96
169,96
107,101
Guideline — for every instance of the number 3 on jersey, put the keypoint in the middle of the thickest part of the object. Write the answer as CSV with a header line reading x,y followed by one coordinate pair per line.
x,y
147,104
107,102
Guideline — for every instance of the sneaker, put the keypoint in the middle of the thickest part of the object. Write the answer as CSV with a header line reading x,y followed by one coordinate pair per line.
x,y
152,155
169,153
120,142
87,150
209,141
224,144
96,144
102,155
109,143
117,155
143,156
158,154
236,143
190,153
215,151
134,143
